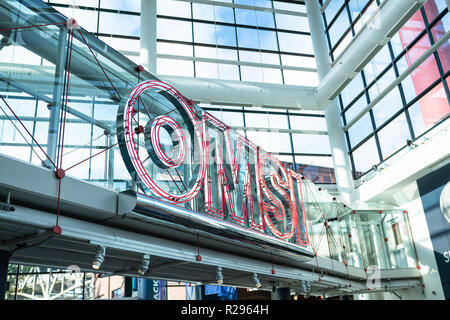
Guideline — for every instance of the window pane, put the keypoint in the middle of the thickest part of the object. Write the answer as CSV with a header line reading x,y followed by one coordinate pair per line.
x,y
129,5
301,78
226,36
224,14
338,28
175,67
360,130
122,44
272,75
244,16
206,70
295,43
202,11
265,19
129,25
267,40
314,161
289,22
438,32
382,83
307,123
377,64
257,39
174,49
174,8
411,29
228,72
174,30
356,108
431,108
234,119
266,120
386,108
427,72
253,74
311,143
270,141
296,61
365,157
289,6
332,9
87,19
352,90
424,75
433,8
394,135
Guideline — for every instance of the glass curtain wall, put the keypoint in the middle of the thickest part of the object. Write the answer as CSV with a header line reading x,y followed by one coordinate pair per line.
x,y
243,40
417,104
39,283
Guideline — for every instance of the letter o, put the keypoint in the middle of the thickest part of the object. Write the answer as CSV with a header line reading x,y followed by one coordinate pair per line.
x,y
128,146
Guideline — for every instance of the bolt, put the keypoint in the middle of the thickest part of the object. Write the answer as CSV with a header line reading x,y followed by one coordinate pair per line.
x,y
139,68
60,173
139,129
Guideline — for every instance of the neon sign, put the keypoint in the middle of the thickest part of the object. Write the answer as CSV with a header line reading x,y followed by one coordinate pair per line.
x,y
182,154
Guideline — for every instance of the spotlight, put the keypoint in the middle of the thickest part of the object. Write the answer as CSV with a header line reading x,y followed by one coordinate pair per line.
x,y
303,286
144,264
306,289
256,280
219,275
99,257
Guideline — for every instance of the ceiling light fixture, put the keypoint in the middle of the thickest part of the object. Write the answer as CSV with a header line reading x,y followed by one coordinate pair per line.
x,y
145,262
256,280
219,275
99,257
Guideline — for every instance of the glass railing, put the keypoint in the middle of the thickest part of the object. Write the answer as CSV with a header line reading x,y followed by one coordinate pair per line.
x,y
362,237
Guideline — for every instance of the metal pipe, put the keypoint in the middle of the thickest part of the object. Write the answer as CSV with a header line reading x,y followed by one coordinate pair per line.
x,y
247,94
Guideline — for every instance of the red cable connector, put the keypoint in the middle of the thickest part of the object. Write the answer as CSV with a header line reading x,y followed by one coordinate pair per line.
x,y
139,129
139,69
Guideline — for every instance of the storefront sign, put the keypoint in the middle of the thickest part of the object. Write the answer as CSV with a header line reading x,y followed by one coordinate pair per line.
x,y
434,191
179,153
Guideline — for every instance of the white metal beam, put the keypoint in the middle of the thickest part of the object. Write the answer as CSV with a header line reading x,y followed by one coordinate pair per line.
x,y
390,17
335,273
246,94
341,161
398,80
148,35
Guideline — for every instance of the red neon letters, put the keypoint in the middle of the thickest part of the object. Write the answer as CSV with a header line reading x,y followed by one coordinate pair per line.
x,y
236,180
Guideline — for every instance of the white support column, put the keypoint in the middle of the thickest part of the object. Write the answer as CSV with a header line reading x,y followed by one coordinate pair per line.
x,y
148,35
336,134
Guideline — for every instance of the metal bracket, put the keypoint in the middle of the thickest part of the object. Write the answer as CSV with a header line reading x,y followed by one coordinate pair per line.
x,y
6,206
